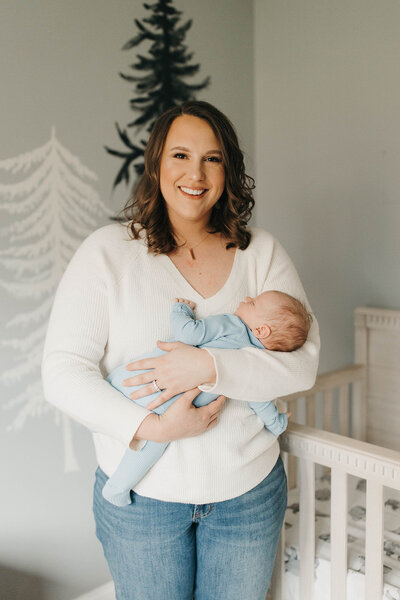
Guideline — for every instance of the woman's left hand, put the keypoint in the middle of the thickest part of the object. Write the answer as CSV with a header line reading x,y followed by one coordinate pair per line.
x,y
182,368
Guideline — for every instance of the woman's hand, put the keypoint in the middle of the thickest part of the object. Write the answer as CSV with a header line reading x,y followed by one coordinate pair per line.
x,y
182,368
182,419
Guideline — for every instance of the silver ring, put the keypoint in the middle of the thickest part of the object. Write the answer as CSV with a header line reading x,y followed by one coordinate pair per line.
x,y
155,386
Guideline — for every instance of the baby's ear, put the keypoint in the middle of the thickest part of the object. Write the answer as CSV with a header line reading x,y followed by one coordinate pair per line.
x,y
262,332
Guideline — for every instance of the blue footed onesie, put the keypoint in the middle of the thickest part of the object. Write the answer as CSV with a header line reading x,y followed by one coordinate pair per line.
x,y
216,331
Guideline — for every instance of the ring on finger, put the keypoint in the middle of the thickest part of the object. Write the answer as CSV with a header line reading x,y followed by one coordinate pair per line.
x,y
155,386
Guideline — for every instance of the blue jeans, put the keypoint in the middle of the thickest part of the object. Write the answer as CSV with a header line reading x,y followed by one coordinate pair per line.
x,y
173,551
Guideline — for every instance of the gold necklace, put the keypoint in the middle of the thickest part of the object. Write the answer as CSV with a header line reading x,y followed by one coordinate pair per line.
x,y
191,248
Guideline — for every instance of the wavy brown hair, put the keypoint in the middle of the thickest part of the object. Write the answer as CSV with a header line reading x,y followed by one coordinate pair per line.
x,y
146,211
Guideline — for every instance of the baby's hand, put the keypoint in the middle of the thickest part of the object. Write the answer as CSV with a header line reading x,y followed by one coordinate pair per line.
x,y
190,304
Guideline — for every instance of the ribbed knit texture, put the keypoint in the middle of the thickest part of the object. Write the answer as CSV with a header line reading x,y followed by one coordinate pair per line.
x,y
112,304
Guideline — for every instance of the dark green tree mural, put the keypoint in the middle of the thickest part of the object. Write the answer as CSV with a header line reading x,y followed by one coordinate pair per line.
x,y
158,78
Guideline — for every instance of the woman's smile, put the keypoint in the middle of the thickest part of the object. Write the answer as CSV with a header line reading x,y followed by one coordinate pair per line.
x,y
192,191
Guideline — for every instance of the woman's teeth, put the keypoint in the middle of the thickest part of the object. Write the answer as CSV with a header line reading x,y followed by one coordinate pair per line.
x,y
192,192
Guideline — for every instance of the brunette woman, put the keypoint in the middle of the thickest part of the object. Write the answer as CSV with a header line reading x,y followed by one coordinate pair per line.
x,y
205,520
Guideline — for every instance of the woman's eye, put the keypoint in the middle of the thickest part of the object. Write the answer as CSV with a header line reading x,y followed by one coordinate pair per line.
x,y
179,155
214,159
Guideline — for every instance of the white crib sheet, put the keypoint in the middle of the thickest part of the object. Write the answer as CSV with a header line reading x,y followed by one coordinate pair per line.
x,y
356,542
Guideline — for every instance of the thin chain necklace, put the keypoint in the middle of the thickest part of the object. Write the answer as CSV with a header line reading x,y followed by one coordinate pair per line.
x,y
191,248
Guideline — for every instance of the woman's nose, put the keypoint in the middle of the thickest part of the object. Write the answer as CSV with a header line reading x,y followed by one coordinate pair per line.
x,y
196,171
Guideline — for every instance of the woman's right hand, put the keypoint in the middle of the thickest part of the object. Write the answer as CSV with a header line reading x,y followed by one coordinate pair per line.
x,y
182,419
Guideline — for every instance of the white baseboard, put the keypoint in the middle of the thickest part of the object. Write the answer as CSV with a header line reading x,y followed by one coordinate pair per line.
x,y
104,592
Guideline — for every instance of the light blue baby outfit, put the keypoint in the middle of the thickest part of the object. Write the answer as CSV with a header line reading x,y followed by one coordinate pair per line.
x,y
216,331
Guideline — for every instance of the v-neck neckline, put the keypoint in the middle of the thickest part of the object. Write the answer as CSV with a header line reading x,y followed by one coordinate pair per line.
x,y
173,269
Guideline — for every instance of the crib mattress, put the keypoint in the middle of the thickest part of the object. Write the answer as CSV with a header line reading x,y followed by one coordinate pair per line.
x,y
356,542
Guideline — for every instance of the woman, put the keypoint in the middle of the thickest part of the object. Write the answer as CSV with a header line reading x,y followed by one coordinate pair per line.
x,y
205,520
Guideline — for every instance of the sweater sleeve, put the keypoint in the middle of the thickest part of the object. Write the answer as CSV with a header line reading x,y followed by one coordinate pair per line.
x,y
256,375
75,342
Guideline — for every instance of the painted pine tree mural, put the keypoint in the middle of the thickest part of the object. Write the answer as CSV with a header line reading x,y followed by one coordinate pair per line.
x,y
158,78
52,206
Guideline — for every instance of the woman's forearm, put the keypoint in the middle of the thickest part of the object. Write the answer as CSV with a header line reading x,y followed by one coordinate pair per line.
x,y
181,420
149,429
251,374
210,374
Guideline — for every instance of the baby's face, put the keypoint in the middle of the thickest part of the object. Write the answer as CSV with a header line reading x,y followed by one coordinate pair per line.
x,y
254,311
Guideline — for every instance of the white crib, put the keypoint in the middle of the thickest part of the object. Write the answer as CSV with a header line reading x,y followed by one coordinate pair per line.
x,y
361,401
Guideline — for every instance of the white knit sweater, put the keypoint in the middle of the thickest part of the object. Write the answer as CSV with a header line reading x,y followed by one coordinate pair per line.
x,y
112,304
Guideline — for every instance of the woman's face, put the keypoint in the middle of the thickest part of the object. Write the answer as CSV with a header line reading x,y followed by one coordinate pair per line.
x,y
192,176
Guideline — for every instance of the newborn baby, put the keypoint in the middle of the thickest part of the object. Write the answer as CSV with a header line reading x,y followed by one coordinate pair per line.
x,y
273,321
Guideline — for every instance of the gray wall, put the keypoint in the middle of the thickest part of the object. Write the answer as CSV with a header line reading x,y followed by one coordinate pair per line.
x,y
327,99
59,66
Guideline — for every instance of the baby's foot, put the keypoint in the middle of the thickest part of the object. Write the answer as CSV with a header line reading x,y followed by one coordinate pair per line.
x,y
190,304
279,424
115,496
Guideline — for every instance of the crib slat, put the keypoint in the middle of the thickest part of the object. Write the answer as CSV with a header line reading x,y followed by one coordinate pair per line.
x,y
307,528
292,408
291,470
359,411
374,541
344,412
310,410
328,409
338,533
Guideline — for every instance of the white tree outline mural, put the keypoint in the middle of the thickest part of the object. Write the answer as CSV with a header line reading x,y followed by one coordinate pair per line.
x,y
53,207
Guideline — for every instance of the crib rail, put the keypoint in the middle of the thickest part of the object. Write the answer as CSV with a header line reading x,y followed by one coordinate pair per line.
x,y
339,398
332,379
358,458
349,381
344,456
